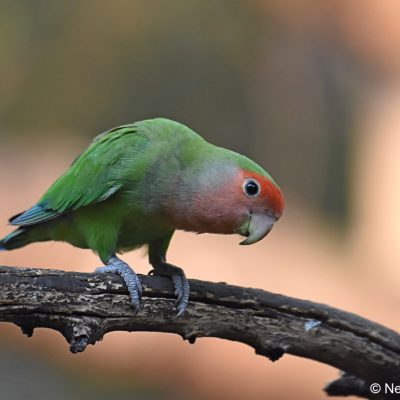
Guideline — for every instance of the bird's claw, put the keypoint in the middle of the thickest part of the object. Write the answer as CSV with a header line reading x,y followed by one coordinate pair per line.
x,y
132,281
182,290
181,285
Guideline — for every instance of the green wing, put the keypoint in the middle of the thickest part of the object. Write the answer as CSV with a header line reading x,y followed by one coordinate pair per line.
x,y
94,176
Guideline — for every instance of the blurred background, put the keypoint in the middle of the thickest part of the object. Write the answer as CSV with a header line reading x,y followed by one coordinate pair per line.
x,y
308,89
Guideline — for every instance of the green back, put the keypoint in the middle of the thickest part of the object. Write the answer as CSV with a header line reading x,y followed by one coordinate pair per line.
x,y
93,177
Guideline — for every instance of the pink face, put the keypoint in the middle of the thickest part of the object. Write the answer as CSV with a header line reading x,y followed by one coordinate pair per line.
x,y
247,203
258,194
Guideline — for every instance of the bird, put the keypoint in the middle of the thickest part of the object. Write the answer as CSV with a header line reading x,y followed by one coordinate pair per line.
x,y
135,185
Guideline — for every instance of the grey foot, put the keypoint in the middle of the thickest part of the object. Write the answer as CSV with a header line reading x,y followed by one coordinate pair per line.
x,y
181,284
117,266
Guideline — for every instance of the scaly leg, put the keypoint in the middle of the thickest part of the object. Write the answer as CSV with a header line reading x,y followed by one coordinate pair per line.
x,y
157,257
181,284
117,266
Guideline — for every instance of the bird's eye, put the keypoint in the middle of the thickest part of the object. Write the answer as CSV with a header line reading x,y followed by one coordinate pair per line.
x,y
251,188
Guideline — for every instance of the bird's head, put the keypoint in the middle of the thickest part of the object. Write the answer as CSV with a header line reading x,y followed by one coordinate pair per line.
x,y
230,197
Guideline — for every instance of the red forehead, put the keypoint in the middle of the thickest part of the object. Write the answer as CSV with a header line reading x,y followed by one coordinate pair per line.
x,y
269,192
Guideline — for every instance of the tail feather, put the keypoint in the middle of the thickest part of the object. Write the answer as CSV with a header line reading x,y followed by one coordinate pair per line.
x,y
15,239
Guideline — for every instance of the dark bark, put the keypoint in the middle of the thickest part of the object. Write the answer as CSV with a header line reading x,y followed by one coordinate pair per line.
x,y
84,307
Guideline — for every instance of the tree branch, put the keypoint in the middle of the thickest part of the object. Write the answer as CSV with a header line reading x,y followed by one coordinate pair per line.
x,y
84,307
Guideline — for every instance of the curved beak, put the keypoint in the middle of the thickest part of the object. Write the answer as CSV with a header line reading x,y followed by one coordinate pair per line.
x,y
260,224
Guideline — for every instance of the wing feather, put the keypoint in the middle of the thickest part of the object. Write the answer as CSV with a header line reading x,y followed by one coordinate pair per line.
x,y
96,175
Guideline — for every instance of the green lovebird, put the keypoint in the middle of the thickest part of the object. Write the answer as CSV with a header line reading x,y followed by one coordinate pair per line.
x,y
138,183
